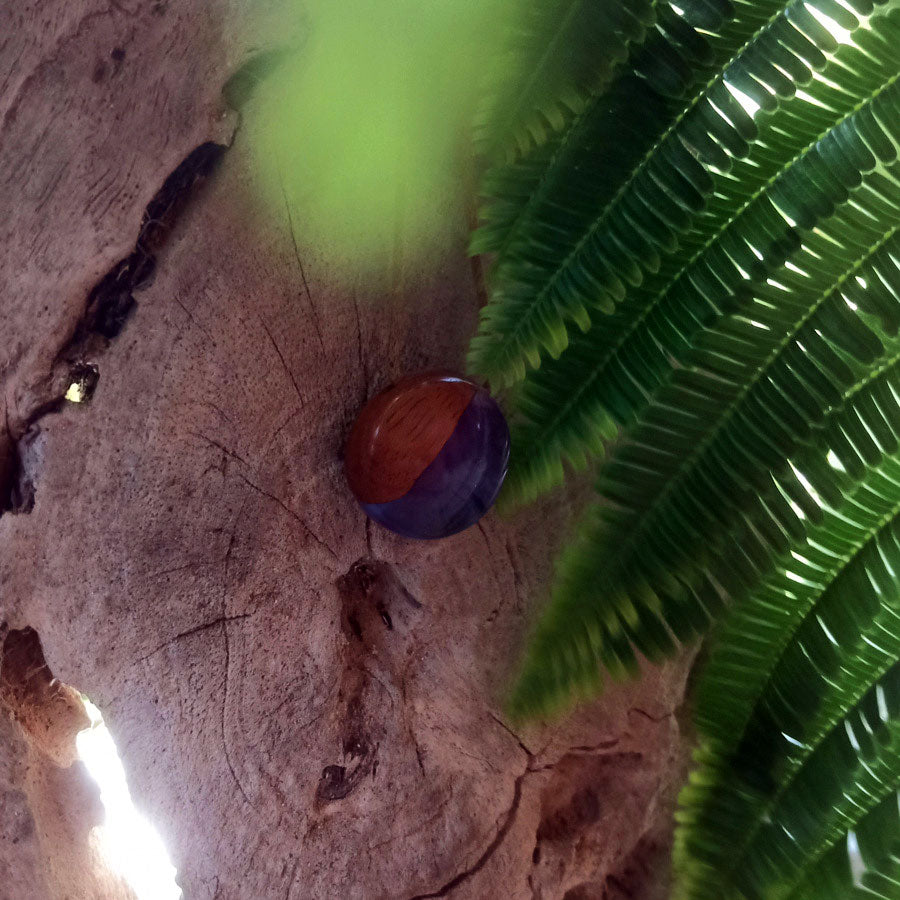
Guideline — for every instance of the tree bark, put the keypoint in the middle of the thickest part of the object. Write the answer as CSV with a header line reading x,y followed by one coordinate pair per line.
x,y
306,706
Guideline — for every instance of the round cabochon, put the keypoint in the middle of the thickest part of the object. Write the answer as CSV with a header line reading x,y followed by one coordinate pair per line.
x,y
426,457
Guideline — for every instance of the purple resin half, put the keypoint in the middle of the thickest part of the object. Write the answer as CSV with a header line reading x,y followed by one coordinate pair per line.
x,y
460,484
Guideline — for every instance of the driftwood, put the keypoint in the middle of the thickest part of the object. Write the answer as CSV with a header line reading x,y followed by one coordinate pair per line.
x,y
306,706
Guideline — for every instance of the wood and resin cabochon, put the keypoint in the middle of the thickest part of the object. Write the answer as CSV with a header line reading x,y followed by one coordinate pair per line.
x,y
427,457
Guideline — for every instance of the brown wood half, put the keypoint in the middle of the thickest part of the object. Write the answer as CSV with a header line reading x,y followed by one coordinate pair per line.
x,y
400,432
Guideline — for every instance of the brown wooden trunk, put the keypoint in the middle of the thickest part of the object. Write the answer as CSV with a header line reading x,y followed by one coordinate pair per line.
x,y
185,549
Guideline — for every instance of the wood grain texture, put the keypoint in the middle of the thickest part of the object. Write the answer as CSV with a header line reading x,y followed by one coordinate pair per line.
x,y
305,707
399,433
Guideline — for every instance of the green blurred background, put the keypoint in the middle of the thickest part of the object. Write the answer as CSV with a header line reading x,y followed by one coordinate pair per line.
x,y
366,129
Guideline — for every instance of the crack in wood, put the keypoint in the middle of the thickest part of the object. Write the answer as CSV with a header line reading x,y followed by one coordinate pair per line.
x,y
491,848
598,749
219,446
436,813
517,578
290,881
194,321
312,306
284,364
656,719
224,623
363,367
608,744
197,629
418,751
368,527
512,734
275,499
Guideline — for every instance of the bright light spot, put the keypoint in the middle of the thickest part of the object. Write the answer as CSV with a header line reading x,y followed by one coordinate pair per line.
x,y
894,394
789,265
834,461
798,578
793,741
771,282
824,79
126,839
827,631
806,485
838,32
857,866
808,98
862,282
756,324
751,107
76,392
851,736
786,218
883,711
850,303
825,236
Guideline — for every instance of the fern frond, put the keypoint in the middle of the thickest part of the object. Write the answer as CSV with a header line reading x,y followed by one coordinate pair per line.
x,y
882,882
736,250
599,617
847,781
855,769
863,866
589,231
753,392
558,54
839,651
795,657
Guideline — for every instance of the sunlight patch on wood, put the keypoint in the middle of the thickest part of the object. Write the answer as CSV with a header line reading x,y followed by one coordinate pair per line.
x,y
128,842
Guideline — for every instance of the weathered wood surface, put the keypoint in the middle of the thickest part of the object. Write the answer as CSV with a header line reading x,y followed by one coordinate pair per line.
x,y
306,706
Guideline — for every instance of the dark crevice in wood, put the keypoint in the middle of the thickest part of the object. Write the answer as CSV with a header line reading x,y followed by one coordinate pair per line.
x,y
108,306
656,719
512,734
111,301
